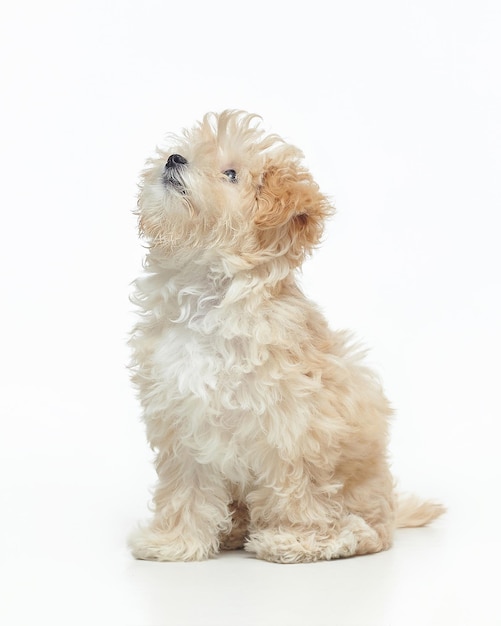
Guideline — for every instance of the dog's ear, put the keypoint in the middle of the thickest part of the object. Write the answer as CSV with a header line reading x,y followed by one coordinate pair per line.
x,y
290,206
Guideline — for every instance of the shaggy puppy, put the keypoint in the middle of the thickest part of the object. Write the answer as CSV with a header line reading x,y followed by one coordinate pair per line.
x,y
269,432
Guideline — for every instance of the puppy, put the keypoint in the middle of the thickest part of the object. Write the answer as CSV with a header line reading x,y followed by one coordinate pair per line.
x,y
269,432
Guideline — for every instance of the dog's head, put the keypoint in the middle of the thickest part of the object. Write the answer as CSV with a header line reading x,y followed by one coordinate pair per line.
x,y
226,188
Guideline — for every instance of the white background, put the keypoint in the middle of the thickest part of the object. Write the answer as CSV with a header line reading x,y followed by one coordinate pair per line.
x,y
397,108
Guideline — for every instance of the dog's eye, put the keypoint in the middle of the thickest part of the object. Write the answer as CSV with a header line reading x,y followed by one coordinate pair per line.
x,y
231,175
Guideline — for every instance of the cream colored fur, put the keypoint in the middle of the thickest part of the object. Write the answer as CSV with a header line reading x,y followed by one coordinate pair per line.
x,y
269,431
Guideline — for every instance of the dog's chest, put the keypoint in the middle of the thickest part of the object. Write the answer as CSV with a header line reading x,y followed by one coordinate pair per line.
x,y
220,370
210,352
213,370
211,390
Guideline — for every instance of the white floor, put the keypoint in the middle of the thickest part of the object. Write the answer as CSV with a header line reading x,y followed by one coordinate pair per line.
x,y
429,577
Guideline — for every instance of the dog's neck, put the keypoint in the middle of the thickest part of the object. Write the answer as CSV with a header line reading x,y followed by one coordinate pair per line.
x,y
203,297
212,280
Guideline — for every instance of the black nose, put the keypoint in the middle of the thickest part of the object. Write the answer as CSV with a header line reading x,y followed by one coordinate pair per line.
x,y
175,159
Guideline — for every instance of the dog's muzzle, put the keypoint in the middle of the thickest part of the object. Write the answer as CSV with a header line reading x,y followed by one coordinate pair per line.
x,y
172,175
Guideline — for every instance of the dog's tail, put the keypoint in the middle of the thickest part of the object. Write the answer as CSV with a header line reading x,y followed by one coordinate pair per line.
x,y
412,512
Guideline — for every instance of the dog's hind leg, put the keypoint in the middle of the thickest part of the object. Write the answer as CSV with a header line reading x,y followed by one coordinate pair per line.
x,y
302,516
369,502
235,539
295,515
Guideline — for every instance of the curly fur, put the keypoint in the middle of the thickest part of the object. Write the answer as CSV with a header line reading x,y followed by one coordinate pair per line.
x,y
269,432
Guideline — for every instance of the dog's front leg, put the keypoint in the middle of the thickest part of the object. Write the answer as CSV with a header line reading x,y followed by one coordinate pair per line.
x,y
190,506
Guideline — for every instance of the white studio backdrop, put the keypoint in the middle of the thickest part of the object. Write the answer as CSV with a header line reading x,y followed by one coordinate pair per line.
x,y
396,106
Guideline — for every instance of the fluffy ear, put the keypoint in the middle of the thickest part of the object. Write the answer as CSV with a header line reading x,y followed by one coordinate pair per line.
x,y
290,205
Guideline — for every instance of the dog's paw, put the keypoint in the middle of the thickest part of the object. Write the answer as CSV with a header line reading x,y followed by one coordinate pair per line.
x,y
153,545
281,546
290,546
